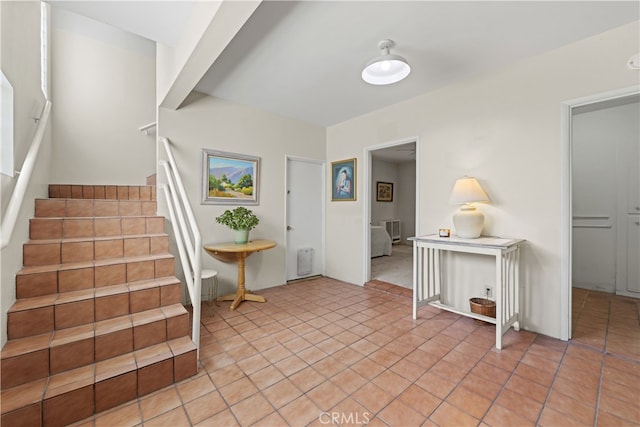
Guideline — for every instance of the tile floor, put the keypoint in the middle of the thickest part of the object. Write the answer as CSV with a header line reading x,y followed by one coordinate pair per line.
x,y
322,352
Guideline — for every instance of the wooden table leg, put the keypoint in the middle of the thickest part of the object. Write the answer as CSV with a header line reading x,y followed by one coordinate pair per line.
x,y
241,288
253,297
236,302
241,294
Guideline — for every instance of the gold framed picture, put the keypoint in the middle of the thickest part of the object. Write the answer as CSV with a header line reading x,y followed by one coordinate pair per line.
x,y
343,177
384,191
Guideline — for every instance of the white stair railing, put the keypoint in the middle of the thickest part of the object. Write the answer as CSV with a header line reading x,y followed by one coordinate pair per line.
x,y
147,128
187,234
17,197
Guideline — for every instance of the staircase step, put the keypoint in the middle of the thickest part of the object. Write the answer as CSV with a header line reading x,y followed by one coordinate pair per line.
x,y
40,314
83,227
25,359
89,207
72,348
109,192
76,394
57,251
93,274
44,280
30,358
98,319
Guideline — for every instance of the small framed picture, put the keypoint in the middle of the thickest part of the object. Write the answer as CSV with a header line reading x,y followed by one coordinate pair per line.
x,y
384,191
343,178
444,232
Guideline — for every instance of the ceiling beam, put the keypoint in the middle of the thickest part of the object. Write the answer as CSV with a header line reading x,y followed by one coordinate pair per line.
x,y
228,19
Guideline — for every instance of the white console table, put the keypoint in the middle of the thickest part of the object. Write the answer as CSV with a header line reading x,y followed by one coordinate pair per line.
x,y
427,276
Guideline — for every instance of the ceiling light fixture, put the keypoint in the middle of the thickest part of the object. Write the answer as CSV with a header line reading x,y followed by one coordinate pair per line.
x,y
386,68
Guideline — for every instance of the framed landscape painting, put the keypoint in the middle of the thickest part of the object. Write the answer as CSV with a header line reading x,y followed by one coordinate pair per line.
x,y
229,178
343,179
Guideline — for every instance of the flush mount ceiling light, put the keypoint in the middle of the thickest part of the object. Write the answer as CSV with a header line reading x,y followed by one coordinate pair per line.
x,y
386,68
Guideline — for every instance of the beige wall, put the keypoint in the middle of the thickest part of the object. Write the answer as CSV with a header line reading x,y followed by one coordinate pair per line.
x,y
207,122
103,90
20,62
403,205
386,172
406,194
503,128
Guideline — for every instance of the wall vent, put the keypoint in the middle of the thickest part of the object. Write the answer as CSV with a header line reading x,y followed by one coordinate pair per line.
x,y
305,261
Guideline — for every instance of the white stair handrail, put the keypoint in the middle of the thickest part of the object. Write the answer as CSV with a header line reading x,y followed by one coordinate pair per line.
x,y
187,234
17,197
184,259
146,128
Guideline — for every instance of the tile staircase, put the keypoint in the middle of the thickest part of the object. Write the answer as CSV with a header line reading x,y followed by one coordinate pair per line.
x,y
98,319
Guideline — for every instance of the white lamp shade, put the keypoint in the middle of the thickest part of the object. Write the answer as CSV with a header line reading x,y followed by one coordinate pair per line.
x,y
467,190
468,221
386,69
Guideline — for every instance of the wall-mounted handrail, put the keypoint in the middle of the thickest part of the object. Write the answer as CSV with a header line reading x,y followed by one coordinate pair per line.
x,y
147,127
17,197
187,234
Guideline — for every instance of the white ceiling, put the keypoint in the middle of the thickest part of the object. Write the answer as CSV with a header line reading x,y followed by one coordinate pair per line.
x,y
303,59
161,21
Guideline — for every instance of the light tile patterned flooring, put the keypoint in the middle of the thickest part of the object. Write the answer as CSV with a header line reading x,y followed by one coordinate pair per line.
x,y
322,353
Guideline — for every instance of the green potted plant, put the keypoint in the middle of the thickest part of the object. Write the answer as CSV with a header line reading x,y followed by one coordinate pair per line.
x,y
242,220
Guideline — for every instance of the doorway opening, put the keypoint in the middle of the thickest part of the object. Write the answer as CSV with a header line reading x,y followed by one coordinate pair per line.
x,y
600,202
391,204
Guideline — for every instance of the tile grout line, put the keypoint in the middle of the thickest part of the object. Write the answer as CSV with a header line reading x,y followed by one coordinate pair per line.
x,y
565,357
513,372
555,377
602,365
458,383
375,415
260,391
327,355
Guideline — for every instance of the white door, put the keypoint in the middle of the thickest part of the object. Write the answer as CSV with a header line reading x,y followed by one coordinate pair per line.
x,y
631,174
605,154
633,253
305,218
594,192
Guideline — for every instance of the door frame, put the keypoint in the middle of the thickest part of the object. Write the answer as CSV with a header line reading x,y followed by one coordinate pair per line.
x,y
367,196
566,185
323,213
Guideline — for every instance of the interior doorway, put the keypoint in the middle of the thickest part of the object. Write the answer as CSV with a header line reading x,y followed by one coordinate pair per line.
x,y
600,160
391,204
605,147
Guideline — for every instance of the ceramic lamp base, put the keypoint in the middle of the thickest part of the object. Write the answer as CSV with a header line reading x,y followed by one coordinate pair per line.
x,y
468,222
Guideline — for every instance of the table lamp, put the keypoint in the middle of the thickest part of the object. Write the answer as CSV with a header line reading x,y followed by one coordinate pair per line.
x,y
468,221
